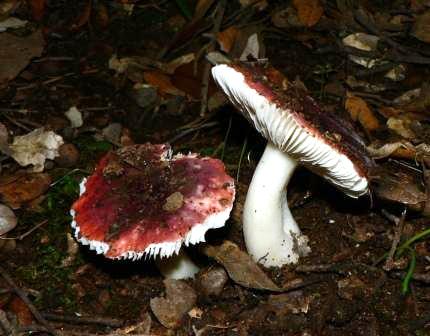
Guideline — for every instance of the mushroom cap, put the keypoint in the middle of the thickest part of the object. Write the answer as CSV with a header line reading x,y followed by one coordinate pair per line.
x,y
141,201
289,118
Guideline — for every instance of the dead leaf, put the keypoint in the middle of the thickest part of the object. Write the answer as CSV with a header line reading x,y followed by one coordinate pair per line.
x,y
260,5
361,41
399,149
24,189
421,27
4,143
37,9
226,38
8,219
407,97
179,299
420,103
7,7
252,48
285,18
309,11
171,67
35,147
74,116
16,52
361,112
240,266
201,8
399,184
12,23
162,82
402,127
289,303
83,18
102,16
389,111
22,312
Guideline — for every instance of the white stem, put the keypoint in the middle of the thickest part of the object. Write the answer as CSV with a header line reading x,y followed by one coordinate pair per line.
x,y
272,236
177,267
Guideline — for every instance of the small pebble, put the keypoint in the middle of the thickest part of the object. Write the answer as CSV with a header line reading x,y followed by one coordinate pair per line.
x,y
179,300
69,156
212,281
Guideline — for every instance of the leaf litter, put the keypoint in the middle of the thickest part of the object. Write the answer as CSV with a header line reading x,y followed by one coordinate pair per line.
x,y
137,72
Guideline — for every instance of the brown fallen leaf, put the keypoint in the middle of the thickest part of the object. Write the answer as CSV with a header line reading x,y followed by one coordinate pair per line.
x,y
102,16
421,27
399,149
308,11
240,266
226,38
420,103
22,312
361,112
402,127
16,52
179,299
25,188
37,9
397,183
162,82
83,18
6,7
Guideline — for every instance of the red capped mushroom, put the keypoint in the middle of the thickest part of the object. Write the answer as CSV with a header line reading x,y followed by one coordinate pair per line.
x,y
142,201
298,132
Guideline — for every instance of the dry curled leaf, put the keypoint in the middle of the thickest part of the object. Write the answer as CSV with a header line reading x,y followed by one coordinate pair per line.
x,y
399,149
421,28
402,126
399,184
361,112
22,312
24,189
240,266
16,52
162,82
226,38
308,11
35,147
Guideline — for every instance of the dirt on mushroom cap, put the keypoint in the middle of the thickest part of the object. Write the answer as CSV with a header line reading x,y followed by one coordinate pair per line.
x,y
124,204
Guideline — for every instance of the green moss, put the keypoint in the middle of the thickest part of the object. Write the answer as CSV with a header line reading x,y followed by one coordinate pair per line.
x,y
43,270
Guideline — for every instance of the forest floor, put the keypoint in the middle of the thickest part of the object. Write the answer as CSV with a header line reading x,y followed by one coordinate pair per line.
x,y
80,78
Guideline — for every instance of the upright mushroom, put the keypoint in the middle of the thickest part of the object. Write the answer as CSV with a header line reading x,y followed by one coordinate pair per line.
x,y
298,132
141,201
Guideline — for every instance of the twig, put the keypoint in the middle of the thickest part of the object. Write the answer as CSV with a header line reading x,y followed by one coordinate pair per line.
x,y
17,123
320,268
26,300
242,154
25,234
192,130
399,222
5,324
211,47
110,322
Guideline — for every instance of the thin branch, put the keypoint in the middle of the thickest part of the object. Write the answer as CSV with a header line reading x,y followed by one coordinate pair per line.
x,y
110,322
23,296
211,47
399,222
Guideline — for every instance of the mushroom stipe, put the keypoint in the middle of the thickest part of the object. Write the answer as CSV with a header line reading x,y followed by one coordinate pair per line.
x,y
298,132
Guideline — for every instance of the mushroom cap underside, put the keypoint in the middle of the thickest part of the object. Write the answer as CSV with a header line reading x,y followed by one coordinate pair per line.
x,y
289,118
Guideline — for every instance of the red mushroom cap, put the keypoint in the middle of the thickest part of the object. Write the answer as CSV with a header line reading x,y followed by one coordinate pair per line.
x,y
142,201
